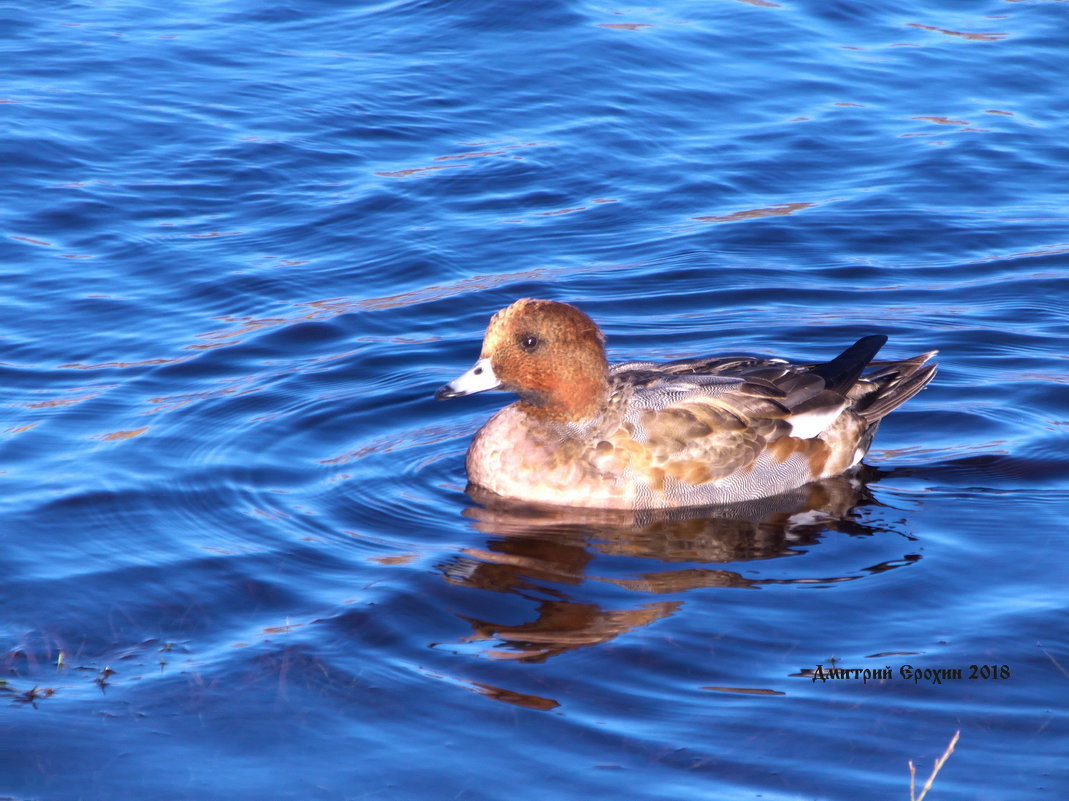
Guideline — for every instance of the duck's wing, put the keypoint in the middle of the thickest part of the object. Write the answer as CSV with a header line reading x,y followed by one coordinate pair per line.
x,y
702,420
701,428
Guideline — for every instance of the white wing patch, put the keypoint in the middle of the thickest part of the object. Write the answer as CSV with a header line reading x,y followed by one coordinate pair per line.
x,y
810,424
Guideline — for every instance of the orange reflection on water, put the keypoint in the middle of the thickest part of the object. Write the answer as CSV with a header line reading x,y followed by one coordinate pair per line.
x,y
976,37
751,214
525,700
73,396
120,435
396,559
560,211
51,404
473,155
19,429
168,403
247,325
942,120
562,626
1048,250
501,150
416,170
106,365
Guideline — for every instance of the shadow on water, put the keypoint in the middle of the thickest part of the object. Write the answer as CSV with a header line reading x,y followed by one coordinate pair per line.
x,y
549,554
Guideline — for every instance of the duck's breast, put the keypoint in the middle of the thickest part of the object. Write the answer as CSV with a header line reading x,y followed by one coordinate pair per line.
x,y
517,457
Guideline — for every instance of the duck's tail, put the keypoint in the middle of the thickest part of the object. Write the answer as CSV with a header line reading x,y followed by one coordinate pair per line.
x,y
895,383
842,372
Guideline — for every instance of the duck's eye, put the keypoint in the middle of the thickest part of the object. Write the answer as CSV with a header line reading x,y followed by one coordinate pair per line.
x,y
529,342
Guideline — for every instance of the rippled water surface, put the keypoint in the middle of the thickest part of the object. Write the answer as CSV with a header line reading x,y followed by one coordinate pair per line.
x,y
243,242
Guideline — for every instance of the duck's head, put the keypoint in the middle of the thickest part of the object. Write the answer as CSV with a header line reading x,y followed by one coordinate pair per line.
x,y
549,353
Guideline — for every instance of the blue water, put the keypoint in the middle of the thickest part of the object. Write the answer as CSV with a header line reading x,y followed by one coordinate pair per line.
x,y
242,243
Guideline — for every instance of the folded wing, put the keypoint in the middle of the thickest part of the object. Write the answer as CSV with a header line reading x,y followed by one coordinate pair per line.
x,y
704,420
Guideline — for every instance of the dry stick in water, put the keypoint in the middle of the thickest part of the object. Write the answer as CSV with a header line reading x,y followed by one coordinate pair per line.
x,y
938,766
1052,659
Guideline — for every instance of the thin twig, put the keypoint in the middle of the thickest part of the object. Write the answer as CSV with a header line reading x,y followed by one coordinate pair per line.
x,y
1052,659
935,771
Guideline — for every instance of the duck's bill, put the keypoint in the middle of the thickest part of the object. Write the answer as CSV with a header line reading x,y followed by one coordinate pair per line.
x,y
479,378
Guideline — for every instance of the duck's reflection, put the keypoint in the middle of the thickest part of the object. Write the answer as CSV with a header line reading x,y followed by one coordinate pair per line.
x,y
539,551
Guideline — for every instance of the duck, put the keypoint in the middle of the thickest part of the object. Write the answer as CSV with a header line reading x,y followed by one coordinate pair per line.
x,y
692,432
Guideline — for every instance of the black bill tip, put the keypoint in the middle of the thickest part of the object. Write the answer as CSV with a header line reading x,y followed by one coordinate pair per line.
x,y
445,392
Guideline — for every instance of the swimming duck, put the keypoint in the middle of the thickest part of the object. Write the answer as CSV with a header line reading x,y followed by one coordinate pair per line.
x,y
647,435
